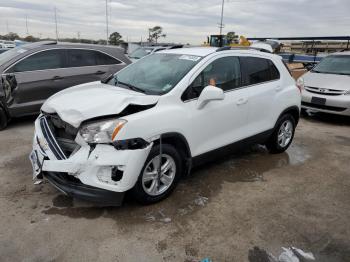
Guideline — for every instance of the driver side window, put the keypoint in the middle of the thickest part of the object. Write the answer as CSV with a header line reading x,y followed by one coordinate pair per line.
x,y
224,73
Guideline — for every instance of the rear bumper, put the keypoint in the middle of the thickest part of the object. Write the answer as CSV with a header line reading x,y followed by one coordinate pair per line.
x,y
74,188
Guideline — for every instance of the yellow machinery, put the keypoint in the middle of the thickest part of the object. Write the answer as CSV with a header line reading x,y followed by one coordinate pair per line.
x,y
222,40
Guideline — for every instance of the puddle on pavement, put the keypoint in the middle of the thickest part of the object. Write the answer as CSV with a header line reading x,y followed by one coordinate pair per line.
x,y
193,192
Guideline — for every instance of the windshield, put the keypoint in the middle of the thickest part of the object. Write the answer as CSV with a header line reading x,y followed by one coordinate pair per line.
x,y
8,55
141,52
336,64
156,73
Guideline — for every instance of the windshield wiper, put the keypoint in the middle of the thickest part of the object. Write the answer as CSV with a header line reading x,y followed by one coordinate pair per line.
x,y
135,88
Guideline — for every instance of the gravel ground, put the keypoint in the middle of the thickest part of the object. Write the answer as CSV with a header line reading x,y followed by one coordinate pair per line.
x,y
222,211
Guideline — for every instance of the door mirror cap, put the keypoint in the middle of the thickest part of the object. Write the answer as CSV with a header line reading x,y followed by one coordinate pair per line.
x,y
209,93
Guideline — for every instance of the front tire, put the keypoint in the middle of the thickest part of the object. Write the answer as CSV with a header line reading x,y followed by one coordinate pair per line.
x,y
3,119
153,186
283,135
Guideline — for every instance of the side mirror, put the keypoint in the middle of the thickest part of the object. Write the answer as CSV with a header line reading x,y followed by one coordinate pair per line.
x,y
209,93
309,67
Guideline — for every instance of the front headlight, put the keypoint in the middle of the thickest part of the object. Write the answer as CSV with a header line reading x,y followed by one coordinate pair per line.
x,y
102,131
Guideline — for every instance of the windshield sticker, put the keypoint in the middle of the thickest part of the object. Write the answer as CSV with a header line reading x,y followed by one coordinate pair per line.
x,y
190,57
21,51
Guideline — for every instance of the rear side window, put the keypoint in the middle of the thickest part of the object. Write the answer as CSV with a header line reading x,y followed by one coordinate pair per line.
x,y
257,70
104,59
80,57
275,74
224,73
49,59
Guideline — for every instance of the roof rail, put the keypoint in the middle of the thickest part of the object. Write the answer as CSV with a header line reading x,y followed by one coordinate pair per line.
x,y
48,42
225,48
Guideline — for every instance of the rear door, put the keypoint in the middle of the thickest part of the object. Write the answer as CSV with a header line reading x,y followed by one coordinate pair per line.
x,y
87,65
262,78
38,76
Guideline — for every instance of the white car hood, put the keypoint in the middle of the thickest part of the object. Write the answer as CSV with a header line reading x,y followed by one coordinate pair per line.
x,y
327,81
79,103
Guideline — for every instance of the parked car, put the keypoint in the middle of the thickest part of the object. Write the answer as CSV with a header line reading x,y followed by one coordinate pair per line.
x,y
3,50
326,88
7,44
144,128
147,50
32,73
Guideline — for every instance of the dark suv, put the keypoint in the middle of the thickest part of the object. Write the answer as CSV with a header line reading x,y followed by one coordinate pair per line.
x,y
32,73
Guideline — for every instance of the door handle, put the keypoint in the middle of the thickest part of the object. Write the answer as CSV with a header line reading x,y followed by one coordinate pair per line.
x,y
57,78
242,101
99,72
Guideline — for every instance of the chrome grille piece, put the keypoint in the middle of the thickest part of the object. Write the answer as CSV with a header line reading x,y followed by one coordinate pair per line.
x,y
53,145
325,91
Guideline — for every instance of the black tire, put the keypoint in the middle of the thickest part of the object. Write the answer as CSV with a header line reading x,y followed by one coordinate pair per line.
x,y
138,192
3,119
273,144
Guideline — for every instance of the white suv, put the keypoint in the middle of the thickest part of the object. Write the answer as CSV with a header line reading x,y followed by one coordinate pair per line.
x,y
147,125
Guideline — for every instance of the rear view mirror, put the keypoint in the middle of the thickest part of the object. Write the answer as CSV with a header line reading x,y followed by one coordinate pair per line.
x,y
209,93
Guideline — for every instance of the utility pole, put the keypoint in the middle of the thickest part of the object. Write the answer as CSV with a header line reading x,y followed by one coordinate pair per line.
x,y
107,34
56,24
221,25
27,31
7,26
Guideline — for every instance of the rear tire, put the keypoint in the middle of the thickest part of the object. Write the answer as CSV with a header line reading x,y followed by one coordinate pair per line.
x,y
3,119
150,187
283,135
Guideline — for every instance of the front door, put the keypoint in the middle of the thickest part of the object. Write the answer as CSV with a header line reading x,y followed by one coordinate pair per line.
x,y
38,76
218,123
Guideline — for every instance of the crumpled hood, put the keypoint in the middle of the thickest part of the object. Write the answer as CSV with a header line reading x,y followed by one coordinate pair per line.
x,y
327,81
79,103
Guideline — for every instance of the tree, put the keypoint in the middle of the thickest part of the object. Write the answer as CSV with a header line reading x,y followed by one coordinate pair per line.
x,y
30,38
155,33
115,39
11,36
232,37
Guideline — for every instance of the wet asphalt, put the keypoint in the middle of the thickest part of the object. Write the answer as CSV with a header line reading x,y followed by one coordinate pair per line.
x,y
222,210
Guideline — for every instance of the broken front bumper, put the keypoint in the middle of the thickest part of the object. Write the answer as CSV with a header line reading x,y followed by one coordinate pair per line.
x,y
88,172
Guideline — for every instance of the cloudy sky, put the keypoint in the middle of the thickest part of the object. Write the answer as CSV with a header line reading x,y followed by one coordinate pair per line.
x,y
183,21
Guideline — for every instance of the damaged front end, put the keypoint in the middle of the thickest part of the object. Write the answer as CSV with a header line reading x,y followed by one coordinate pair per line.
x,y
99,172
